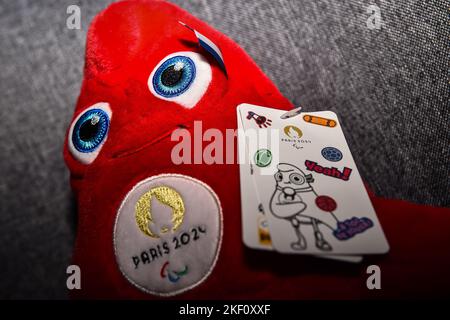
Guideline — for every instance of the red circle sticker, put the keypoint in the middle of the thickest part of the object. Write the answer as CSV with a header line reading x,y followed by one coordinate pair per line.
x,y
326,203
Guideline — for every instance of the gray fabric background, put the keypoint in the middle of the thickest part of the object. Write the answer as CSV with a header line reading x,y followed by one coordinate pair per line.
x,y
389,87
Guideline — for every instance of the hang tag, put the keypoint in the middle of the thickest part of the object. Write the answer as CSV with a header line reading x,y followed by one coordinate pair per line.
x,y
301,191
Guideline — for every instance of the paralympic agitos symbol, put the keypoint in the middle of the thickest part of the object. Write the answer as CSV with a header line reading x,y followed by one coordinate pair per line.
x,y
173,276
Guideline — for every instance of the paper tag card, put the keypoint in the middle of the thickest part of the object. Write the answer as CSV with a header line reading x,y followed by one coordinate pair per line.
x,y
256,234
255,228
308,184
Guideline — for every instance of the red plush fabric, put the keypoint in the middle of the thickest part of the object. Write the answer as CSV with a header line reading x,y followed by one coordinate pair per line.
x,y
124,44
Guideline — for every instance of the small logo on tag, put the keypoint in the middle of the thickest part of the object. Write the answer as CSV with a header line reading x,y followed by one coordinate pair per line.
x,y
294,135
293,132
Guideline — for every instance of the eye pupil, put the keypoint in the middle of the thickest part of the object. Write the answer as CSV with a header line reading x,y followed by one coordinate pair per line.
x,y
89,130
174,76
171,76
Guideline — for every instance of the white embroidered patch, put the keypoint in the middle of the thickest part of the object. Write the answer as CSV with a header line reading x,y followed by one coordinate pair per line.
x,y
168,234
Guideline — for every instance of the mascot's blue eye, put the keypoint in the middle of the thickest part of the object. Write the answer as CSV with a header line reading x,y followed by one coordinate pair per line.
x,y
90,130
174,76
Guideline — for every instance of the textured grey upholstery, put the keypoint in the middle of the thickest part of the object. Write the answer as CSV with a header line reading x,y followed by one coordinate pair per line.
x,y
388,86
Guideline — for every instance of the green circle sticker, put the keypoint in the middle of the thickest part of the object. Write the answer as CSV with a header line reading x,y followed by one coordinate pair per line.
x,y
263,157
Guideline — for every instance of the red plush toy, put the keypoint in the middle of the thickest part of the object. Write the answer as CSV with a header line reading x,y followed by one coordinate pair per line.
x,y
150,228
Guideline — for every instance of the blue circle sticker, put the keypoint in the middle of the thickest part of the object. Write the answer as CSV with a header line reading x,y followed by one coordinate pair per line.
x,y
332,154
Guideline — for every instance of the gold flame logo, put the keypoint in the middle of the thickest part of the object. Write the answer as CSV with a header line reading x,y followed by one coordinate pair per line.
x,y
166,196
293,132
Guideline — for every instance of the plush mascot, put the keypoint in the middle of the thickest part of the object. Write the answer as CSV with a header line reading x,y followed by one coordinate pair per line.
x,y
151,227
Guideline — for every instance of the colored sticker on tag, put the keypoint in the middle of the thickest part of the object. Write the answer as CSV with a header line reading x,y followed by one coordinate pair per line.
x,y
320,121
332,154
263,158
260,120
326,203
331,172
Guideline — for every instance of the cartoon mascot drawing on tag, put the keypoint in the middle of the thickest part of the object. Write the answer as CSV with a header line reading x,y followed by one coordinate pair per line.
x,y
290,199
288,202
